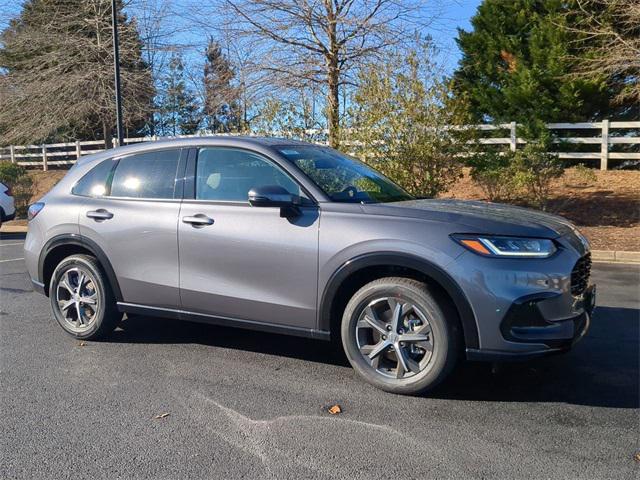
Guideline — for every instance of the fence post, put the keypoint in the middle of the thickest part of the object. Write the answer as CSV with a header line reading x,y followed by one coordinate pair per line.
x,y
12,152
604,146
45,167
78,150
513,139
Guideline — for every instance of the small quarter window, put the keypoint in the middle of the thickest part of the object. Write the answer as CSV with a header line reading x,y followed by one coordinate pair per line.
x,y
96,182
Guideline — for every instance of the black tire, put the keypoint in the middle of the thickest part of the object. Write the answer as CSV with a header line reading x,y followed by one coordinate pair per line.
x,y
105,316
443,333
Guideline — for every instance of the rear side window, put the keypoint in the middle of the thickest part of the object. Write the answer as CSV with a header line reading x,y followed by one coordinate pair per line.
x,y
96,182
147,175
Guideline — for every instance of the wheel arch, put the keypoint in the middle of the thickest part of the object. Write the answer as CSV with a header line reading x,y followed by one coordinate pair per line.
x,y
62,246
373,265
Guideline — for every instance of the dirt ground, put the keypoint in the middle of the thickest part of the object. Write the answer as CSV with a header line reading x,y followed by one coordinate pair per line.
x,y
607,211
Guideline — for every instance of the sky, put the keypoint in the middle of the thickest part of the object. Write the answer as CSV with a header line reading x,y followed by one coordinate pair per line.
x,y
453,14
450,14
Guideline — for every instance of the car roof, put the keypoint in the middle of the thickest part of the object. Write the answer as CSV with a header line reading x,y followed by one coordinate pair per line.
x,y
218,140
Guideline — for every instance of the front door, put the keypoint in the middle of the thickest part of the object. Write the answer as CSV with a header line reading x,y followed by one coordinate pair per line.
x,y
131,212
243,262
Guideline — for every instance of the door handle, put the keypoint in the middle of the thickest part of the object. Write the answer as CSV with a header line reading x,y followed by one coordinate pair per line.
x,y
198,220
100,214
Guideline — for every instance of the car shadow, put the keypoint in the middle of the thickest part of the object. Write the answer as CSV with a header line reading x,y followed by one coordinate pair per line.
x,y
601,370
142,329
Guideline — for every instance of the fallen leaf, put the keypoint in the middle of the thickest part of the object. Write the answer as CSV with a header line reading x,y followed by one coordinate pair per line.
x,y
335,409
636,457
162,415
81,344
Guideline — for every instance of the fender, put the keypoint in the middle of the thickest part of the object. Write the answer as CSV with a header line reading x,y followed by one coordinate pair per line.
x,y
467,317
75,239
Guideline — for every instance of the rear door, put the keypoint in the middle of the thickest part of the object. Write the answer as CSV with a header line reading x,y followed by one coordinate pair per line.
x,y
132,213
245,262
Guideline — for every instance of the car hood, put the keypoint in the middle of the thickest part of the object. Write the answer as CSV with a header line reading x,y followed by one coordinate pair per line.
x,y
478,217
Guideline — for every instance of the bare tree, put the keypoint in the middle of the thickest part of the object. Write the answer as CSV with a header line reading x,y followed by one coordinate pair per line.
x,y
608,33
308,42
56,61
157,34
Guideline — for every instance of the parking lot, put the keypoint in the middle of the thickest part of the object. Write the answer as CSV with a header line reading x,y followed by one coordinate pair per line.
x,y
244,404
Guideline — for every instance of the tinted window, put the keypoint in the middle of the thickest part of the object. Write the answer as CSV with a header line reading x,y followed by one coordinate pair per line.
x,y
148,175
226,174
96,182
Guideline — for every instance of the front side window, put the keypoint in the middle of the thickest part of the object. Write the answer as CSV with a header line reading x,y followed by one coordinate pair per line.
x,y
96,182
342,178
227,174
146,175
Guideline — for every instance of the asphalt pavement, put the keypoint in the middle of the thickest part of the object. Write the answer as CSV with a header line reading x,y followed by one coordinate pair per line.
x,y
244,404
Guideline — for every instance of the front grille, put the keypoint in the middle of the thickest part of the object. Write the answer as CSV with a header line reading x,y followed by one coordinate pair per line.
x,y
580,275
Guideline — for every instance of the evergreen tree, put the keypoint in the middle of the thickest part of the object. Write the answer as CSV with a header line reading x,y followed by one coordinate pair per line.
x,y
516,65
57,80
222,97
178,110
609,44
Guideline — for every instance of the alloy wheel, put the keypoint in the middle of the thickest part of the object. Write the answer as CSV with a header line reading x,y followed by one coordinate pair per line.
x,y
394,336
78,299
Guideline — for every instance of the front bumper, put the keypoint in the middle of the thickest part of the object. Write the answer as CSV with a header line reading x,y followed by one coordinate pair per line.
x,y
526,323
527,308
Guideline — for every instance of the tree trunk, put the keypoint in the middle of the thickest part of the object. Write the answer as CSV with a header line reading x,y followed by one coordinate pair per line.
x,y
106,134
333,102
333,77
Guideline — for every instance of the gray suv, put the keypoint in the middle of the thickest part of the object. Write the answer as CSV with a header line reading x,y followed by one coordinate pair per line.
x,y
293,238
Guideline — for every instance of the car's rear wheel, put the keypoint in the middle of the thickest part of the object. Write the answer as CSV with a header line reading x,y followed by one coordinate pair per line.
x,y
397,336
81,298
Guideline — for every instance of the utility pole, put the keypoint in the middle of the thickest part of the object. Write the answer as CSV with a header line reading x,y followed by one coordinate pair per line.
x,y
116,65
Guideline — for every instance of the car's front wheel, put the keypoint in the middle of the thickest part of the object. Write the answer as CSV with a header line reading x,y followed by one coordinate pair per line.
x,y
81,298
396,335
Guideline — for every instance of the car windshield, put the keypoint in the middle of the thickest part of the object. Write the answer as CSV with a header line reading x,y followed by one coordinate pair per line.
x,y
343,178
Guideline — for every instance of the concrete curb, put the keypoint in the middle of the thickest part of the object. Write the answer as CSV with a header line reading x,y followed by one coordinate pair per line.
x,y
606,256
601,256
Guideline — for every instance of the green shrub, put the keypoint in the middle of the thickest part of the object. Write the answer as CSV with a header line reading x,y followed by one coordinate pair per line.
x,y
534,168
492,172
21,184
584,176
401,113
11,172
524,176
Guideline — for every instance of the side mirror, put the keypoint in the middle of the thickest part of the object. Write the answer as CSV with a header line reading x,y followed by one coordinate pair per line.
x,y
275,196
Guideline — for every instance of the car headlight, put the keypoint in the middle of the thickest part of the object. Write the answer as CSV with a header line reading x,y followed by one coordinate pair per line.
x,y
513,247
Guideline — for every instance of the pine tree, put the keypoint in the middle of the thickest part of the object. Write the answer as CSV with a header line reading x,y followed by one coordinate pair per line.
x,y
222,97
57,57
178,111
516,65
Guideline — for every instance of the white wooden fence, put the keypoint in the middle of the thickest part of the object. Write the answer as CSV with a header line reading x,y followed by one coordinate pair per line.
x,y
607,134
